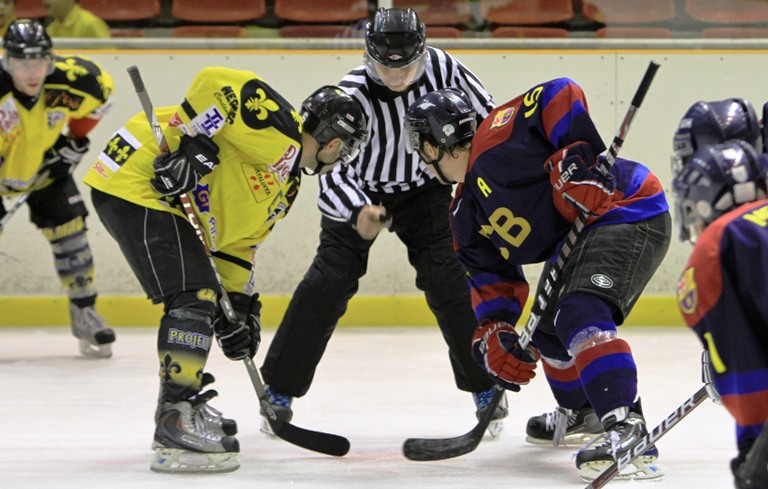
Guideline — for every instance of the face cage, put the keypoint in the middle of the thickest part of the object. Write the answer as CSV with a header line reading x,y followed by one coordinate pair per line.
x,y
420,65
349,151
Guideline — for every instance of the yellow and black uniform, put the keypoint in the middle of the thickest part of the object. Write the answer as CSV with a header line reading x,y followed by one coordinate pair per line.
x,y
75,95
79,22
258,134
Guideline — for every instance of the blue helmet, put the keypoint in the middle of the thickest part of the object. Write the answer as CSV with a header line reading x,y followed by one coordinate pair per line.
x,y
707,123
714,181
444,117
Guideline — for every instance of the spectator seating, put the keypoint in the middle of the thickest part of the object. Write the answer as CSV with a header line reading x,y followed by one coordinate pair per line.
x,y
30,9
612,12
734,32
728,11
643,32
208,31
526,12
218,11
439,12
121,11
325,11
529,32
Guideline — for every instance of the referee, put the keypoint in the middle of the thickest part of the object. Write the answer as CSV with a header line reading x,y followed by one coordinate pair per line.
x,y
384,187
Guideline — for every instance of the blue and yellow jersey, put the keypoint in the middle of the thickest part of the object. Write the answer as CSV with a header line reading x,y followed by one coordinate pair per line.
x,y
721,295
76,89
259,138
503,216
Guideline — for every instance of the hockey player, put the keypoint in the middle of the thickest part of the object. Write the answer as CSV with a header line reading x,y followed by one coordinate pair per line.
x,y
523,174
50,104
236,148
385,186
720,203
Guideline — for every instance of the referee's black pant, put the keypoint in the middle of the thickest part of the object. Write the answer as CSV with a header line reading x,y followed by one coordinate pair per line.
x,y
420,220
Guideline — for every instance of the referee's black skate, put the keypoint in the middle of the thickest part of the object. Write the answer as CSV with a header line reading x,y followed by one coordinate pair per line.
x,y
563,427
185,442
623,429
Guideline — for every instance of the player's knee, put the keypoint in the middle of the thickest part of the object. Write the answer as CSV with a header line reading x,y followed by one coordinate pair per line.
x,y
196,305
584,320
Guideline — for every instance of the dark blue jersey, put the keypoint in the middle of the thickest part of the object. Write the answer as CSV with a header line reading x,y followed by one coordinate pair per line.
x,y
503,215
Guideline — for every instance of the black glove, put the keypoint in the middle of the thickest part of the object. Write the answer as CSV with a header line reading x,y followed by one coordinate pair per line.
x,y
240,340
61,159
178,172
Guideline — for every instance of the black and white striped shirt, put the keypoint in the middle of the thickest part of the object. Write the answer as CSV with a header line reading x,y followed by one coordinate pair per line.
x,y
384,165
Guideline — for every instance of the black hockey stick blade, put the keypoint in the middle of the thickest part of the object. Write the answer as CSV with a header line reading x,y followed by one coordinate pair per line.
x,y
317,441
428,449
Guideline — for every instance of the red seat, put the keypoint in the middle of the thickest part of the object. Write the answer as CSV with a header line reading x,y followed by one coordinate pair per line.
x,y
208,31
628,11
118,10
728,11
318,30
634,33
735,32
316,11
220,11
29,9
526,12
127,32
443,31
438,12
529,32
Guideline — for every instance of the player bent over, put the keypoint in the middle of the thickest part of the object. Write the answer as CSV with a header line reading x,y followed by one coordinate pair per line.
x,y
50,104
720,200
236,149
523,173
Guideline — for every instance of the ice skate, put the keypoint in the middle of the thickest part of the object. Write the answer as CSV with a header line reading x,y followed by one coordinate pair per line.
x,y
563,427
184,442
212,416
623,429
94,337
482,400
281,405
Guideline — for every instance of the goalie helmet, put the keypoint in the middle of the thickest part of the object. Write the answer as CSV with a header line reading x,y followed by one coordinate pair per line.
x,y
444,117
716,180
395,47
330,113
707,123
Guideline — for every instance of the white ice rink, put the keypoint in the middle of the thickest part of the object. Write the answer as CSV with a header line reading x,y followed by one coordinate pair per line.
x,y
71,422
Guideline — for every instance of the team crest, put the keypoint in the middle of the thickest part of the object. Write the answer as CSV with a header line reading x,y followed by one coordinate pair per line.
x,y
502,117
687,292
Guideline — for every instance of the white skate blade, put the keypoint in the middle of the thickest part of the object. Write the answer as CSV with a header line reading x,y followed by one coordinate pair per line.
x,y
174,460
641,469
495,427
95,351
574,440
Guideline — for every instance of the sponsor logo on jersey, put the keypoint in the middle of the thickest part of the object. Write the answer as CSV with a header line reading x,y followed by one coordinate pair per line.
x,y
227,98
502,117
283,166
55,117
209,122
189,339
98,167
202,195
62,98
687,292
602,281
263,184
175,120
9,116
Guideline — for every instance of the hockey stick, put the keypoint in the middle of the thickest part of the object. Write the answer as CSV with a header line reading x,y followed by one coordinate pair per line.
x,y
425,449
39,178
642,445
326,443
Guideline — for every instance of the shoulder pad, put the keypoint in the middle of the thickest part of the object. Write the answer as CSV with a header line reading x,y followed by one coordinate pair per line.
x,y
262,107
80,74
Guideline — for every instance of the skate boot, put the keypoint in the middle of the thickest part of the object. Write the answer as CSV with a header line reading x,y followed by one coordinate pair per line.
x,y
563,427
281,405
624,428
94,337
213,418
184,442
482,401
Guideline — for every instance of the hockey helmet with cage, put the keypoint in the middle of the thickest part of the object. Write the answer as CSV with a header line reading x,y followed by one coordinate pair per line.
x,y
330,113
707,123
716,179
444,117
26,39
395,45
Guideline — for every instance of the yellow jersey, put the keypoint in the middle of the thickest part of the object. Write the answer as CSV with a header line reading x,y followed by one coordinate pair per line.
x,y
259,138
29,126
79,22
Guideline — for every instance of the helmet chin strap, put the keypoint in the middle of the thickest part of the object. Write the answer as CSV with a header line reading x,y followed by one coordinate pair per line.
x,y
435,166
318,168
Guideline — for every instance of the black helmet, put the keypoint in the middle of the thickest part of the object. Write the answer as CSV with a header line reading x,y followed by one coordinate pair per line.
x,y
27,38
707,123
444,118
717,179
332,113
395,38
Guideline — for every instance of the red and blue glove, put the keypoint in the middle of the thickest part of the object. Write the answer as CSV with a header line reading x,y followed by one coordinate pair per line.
x,y
579,184
495,349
